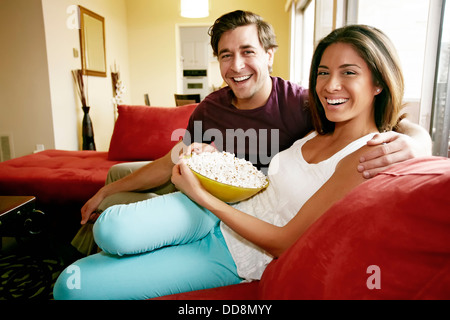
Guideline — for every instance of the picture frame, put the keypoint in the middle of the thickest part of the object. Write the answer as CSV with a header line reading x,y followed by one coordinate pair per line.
x,y
92,43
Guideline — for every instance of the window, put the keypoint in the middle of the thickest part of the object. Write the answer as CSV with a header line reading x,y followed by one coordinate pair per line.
x,y
405,23
302,41
411,35
420,31
440,126
312,20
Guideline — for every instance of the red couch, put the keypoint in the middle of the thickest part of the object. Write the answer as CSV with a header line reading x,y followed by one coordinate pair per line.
x,y
63,181
391,232
389,238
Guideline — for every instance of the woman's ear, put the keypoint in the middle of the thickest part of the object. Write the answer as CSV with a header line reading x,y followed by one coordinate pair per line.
x,y
378,90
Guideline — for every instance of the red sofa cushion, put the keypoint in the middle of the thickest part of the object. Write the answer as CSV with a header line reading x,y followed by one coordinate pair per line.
x,y
398,221
56,176
145,133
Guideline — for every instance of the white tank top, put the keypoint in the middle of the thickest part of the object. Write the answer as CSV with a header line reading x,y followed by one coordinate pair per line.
x,y
292,181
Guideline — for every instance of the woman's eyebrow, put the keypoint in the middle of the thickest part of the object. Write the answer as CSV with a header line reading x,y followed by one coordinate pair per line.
x,y
349,65
342,66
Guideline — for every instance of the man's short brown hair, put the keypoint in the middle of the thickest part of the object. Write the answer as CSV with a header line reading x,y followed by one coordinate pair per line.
x,y
239,18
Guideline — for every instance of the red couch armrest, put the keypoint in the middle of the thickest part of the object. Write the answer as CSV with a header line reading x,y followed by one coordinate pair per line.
x,y
389,238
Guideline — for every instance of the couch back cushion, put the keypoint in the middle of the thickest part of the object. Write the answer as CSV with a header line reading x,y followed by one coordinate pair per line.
x,y
145,133
389,238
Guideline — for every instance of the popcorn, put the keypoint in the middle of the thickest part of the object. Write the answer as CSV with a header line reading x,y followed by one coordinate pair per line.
x,y
224,167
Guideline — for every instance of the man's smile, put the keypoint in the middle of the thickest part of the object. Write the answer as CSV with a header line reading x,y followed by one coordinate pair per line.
x,y
242,78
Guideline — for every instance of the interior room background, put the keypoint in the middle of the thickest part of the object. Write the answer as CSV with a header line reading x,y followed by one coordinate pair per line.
x,y
38,102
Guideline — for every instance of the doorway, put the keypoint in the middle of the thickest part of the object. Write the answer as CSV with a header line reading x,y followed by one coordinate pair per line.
x,y
196,63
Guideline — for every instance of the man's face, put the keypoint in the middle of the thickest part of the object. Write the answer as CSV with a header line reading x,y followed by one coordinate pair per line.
x,y
244,66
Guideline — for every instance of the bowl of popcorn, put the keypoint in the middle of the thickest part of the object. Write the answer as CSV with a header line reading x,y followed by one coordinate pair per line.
x,y
227,177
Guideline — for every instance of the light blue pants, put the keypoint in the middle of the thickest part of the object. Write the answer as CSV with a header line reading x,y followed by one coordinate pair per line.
x,y
152,248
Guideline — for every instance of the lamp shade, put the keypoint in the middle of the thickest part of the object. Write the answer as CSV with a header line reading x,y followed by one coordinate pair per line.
x,y
194,8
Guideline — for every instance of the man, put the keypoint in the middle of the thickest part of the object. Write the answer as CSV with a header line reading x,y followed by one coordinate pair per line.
x,y
271,109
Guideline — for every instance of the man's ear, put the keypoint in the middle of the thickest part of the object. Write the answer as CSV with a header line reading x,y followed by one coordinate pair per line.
x,y
271,55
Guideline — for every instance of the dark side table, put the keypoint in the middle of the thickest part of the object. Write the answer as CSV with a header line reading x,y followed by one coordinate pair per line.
x,y
25,272
19,217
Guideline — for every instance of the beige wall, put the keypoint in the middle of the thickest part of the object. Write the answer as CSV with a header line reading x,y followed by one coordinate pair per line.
x,y
152,30
61,40
39,105
25,104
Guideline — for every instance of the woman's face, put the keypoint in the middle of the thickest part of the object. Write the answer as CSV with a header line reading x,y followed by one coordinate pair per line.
x,y
345,85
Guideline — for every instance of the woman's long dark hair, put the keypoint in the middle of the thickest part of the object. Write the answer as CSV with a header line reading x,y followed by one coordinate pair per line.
x,y
381,57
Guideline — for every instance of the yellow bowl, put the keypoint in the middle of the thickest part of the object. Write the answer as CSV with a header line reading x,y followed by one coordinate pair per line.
x,y
226,192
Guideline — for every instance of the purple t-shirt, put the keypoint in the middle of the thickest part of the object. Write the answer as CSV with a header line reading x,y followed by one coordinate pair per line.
x,y
257,134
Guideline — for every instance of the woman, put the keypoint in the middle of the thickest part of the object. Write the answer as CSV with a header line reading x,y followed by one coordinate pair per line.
x,y
190,240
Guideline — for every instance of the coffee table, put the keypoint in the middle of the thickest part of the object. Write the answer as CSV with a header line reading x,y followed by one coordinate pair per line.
x,y
26,272
18,217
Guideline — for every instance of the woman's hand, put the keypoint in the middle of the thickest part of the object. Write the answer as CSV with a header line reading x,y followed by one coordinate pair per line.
x,y
183,178
185,181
